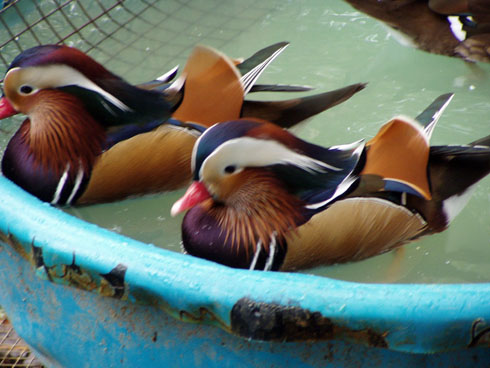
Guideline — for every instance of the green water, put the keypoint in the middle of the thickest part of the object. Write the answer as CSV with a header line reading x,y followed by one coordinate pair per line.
x,y
332,45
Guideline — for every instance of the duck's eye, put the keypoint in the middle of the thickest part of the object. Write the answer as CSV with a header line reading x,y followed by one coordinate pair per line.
x,y
25,89
230,169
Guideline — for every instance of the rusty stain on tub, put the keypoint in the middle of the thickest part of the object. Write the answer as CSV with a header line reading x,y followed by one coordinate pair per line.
x,y
15,244
204,315
111,284
275,322
481,337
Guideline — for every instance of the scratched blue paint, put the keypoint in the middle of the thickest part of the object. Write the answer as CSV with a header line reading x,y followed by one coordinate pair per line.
x,y
152,324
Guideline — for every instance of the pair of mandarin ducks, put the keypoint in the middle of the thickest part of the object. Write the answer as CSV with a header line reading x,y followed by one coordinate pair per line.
x,y
260,198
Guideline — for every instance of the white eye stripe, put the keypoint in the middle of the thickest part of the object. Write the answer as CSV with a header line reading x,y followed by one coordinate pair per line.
x,y
253,152
59,75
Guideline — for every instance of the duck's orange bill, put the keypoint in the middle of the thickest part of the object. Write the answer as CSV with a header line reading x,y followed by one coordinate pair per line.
x,y
194,195
6,109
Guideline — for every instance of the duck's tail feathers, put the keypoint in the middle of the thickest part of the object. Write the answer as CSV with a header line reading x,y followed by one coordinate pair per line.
x,y
290,112
485,141
280,88
453,169
454,172
430,116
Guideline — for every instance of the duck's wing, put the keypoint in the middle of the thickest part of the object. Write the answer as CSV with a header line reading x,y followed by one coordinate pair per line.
x,y
212,88
350,230
150,162
399,153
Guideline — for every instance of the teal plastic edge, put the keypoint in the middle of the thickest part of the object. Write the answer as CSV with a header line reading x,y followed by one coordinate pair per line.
x,y
416,318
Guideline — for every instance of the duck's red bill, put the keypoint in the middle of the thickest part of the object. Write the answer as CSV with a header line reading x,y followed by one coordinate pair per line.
x,y
6,109
194,195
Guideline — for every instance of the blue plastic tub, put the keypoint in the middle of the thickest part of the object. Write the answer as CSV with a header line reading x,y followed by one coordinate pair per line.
x,y
83,296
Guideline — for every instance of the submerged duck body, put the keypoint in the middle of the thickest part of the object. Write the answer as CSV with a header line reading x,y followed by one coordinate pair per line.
x,y
264,199
91,137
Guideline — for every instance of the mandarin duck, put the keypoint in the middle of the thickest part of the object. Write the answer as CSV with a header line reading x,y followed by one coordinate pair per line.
x,y
264,199
91,137
458,28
